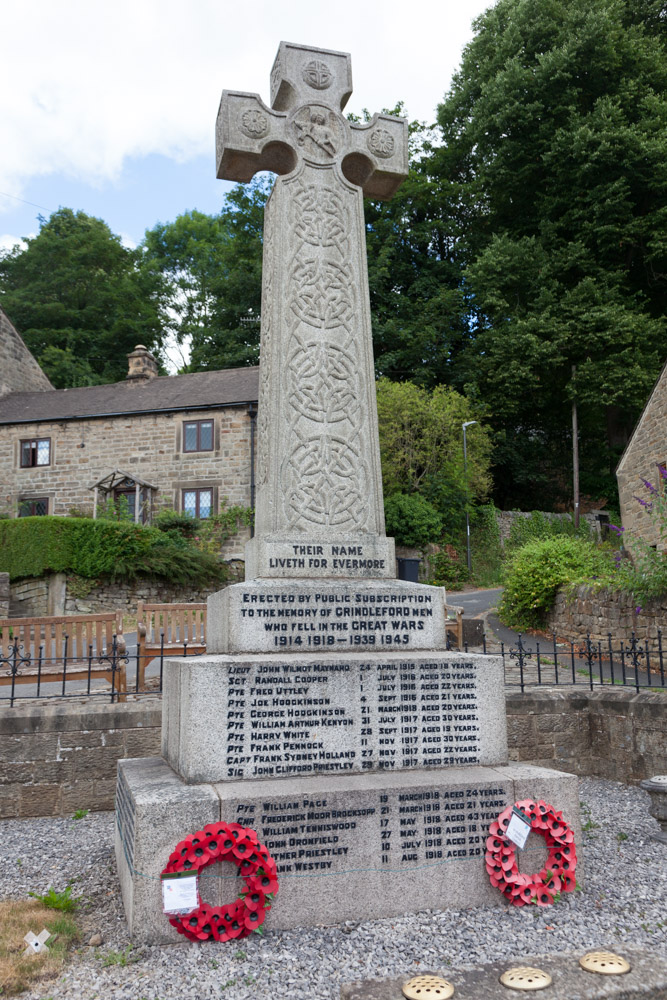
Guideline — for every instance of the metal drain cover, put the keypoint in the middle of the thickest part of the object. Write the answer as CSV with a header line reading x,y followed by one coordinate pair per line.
x,y
606,963
524,977
428,988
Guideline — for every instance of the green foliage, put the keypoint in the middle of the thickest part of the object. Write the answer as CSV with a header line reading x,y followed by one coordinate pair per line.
x,y
555,145
412,520
55,900
538,569
81,300
169,521
123,957
80,813
538,525
449,568
644,573
487,553
211,267
32,546
421,447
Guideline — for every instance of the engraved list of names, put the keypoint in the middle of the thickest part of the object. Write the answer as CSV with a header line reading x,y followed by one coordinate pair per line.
x,y
315,717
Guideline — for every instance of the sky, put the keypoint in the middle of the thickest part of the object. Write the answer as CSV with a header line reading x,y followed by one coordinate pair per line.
x,y
110,108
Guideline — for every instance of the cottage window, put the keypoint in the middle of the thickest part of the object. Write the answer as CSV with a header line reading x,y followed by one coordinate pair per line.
x,y
198,435
198,503
34,508
35,452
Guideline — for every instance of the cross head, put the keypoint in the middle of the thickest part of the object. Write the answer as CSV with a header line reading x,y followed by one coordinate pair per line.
x,y
309,89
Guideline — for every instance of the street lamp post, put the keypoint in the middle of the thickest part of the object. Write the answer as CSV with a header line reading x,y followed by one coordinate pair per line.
x,y
468,423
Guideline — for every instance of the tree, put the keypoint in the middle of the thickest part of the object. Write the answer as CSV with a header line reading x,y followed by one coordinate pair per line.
x,y
554,130
80,298
418,312
421,448
212,267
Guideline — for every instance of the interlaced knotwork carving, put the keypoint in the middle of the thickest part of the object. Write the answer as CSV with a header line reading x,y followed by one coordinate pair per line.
x,y
324,382
320,217
322,293
325,484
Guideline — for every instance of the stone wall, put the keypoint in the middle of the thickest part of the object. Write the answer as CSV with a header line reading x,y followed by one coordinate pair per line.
x,y
19,372
645,452
4,595
506,518
602,612
62,756
616,734
30,598
148,446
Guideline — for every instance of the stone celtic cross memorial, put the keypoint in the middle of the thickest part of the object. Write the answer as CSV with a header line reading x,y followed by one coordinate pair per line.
x,y
319,503
327,713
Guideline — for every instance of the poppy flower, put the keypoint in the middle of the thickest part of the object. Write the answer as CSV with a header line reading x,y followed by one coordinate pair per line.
x,y
254,918
544,896
264,882
568,882
255,900
494,843
237,831
226,844
198,856
242,848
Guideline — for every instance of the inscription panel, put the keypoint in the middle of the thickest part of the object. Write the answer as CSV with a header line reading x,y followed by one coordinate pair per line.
x,y
307,617
326,717
391,829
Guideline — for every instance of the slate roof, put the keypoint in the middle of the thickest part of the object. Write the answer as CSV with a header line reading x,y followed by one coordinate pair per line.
x,y
198,391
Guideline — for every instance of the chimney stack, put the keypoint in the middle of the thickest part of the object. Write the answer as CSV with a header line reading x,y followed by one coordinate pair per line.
x,y
142,366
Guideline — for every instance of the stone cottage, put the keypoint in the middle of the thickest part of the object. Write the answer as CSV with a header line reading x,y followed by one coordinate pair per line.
x,y
180,441
646,451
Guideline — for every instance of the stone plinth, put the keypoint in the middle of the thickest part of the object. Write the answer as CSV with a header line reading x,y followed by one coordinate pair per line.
x,y
378,844
269,616
229,717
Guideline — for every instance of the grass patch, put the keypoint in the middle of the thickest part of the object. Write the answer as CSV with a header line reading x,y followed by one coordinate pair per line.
x,y
17,917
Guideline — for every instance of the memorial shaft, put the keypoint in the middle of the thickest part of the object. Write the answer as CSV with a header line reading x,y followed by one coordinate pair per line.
x,y
319,487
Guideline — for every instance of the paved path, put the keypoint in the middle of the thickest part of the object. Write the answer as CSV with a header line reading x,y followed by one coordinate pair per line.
x,y
475,602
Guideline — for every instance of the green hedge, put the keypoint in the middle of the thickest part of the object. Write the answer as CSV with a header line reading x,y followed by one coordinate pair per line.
x,y
33,546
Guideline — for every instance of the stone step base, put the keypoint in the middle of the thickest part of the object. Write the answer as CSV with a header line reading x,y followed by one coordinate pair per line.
x,y
348,847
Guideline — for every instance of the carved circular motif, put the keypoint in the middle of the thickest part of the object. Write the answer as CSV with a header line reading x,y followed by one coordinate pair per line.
x,y
381,142
323,382
317,74
319,133
324,480
254,124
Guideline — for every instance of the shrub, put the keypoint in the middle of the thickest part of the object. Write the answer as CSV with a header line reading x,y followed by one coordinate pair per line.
x,y
538,569
448,568
412,520
538,525
33,546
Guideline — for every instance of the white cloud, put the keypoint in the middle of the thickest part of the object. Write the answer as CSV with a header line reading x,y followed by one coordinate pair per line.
x,y
9,242
84,85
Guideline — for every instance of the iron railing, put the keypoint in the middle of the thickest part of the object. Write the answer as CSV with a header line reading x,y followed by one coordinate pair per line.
x,y
590,662
547,663
26,674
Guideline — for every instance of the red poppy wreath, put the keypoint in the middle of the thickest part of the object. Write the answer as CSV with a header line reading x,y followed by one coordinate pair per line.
x,y
558,872
238,844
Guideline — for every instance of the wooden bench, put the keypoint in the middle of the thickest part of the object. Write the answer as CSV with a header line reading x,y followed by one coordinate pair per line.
x,y
172,629
454,626
58,647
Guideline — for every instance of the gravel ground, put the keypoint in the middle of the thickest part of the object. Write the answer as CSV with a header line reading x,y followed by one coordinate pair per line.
x,y
624,901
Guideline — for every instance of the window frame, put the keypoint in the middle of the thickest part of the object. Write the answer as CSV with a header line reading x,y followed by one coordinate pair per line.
x,y
198,425
33,501
198,490
34,443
